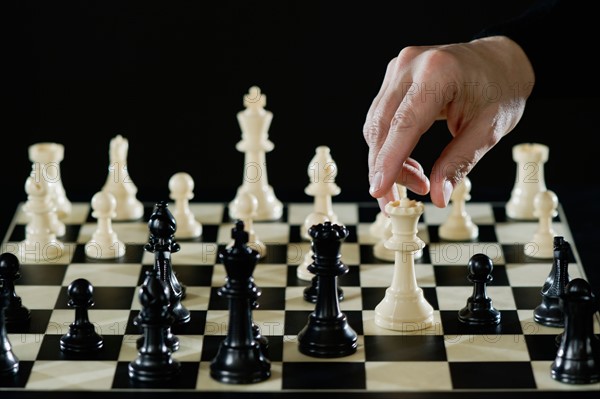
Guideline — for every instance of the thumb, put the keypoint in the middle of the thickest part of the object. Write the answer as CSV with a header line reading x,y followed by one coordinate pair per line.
x,y
459,157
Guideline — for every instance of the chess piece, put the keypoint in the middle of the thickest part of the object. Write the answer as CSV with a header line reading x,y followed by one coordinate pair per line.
x,y
322,171
578,357
181,186
239,359
119,182
404,307
254,122
302,269
545,206
15,312
162,244
9,362
459,226
530,159
383,227
154,362
549,312
105,243
327,332
40,241
479,309
46,159
247,208
82,336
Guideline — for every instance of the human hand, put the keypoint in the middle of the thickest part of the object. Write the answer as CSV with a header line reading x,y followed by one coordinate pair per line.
x,y
479,88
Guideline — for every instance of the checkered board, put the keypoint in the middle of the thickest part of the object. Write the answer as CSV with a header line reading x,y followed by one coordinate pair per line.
x,y
448,358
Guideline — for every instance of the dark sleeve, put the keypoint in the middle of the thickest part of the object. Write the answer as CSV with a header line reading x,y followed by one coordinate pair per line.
x,y
556,36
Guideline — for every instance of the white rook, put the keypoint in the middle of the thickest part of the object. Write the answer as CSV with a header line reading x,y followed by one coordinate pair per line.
x,y
404,307
530,159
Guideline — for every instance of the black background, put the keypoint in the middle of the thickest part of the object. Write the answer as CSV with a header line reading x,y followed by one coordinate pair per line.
x,y
170,77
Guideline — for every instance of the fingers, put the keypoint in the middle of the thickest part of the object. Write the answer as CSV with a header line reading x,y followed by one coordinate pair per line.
x,y
414,116
382,109
458,159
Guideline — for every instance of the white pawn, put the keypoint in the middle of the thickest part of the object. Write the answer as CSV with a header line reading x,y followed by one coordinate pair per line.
x,y
247,205
322,171
181,186
530,159
302,270
105,243
40,238
545,209
119,183
459,226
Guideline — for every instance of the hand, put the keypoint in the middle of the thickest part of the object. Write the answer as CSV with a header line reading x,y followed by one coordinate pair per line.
x,y
479,88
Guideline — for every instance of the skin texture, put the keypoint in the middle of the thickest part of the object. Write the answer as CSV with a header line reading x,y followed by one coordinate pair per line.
x,y
480,88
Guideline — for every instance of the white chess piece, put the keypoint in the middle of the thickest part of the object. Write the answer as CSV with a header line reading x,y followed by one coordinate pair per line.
x,y
302,270
40,244
181,186
105,243
119,183
459,226
545,209
385,231
404,307
254,122
530,159
247,206
322,171
46,158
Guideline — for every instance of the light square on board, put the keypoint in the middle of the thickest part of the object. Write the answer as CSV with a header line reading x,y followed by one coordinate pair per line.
x,y
207,213
482,348
480,213
38,296
108,275
522,232
534,274
70,375
127,232
408,376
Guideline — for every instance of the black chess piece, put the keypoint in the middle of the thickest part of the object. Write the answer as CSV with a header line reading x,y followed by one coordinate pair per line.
x,y
15,313
548,312
240,358
82,336
9,362
162,244
327,332
154,362
479,309
578,357
258,336
311,292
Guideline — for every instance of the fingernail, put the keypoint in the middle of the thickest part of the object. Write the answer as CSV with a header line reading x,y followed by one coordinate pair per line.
x,y
447,191
376,182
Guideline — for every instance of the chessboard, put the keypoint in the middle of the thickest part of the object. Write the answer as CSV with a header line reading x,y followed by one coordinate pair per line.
x,y
449,359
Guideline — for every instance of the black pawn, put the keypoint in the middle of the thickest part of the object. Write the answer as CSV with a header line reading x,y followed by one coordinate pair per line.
x,y
154,362
162,244
578,358
81,337
549,313
327,332
479,309
240,358
15,313
9,362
